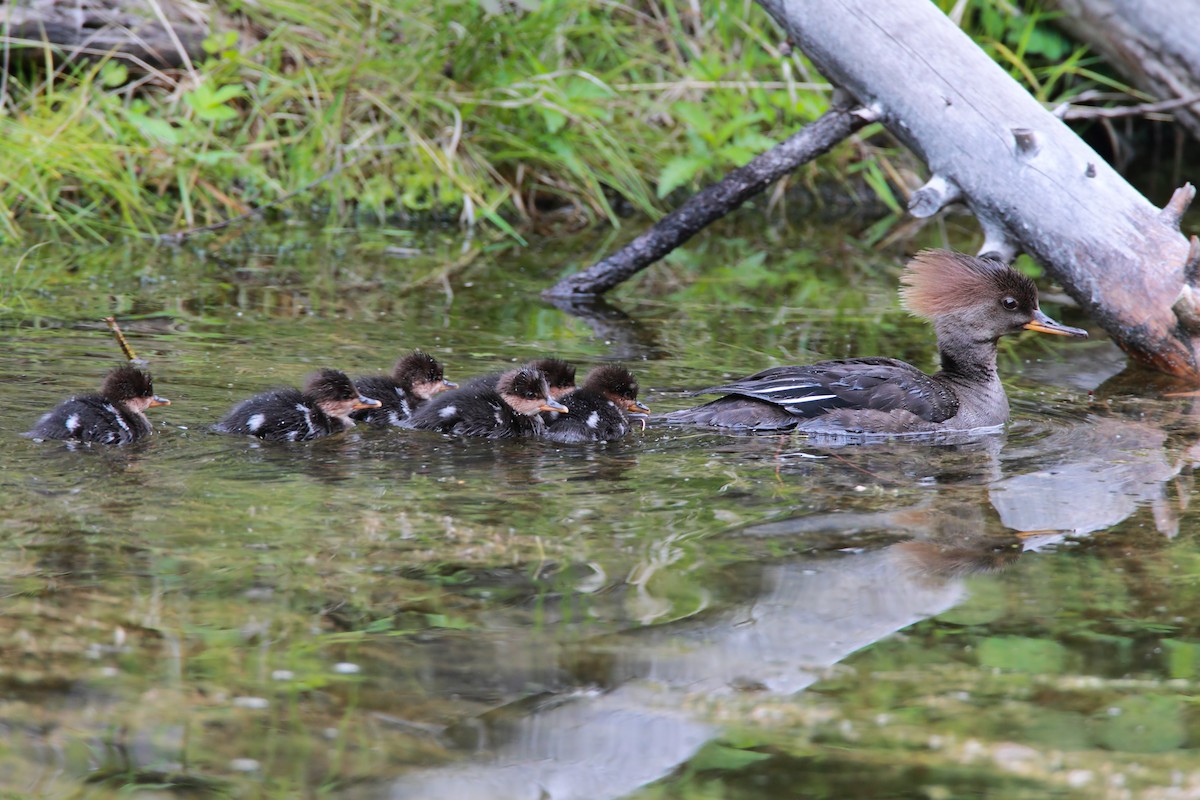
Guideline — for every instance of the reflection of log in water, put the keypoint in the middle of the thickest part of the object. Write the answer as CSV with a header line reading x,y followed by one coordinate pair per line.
x,y
807,616
629,339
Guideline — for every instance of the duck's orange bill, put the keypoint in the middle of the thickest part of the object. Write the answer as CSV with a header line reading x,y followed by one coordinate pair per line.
x,y
366,402
637,407
552,405
449,384
158,401
1043,324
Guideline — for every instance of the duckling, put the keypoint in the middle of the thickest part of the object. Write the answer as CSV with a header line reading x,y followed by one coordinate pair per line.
x,y
600,410
560,376
323,408
415,379
117,415
507,411
971,301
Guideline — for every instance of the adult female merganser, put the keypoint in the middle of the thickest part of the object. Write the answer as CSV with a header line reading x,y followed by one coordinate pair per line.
x,y
323,408
506,411
117,415
560,376
971,301
415,378
599,410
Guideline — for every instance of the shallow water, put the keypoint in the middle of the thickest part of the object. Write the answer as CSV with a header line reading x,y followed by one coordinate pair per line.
x,y
680,614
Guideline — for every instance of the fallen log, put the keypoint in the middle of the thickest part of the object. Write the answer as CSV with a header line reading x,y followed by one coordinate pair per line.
x,y
1151,44
1032,183
162,35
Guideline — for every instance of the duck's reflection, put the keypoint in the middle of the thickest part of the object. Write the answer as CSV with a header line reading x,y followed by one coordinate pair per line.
x,y
807,614
802,617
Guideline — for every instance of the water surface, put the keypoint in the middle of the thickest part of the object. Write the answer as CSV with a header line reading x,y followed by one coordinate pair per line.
x,y
680,614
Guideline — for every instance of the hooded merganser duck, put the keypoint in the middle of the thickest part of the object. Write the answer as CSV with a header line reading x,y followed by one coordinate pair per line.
x,y
415,378
971,301
506,411
560,376
290,415
117,415
599,411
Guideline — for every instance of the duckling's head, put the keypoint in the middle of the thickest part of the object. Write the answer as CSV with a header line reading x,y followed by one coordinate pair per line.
x,y
421,374
618,385
335,394
560,375
527,392
132,388
984,298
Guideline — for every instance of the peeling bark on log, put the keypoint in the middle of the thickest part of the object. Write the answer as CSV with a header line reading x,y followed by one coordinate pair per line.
x,y
95,29
1033,184
1152,43
712,203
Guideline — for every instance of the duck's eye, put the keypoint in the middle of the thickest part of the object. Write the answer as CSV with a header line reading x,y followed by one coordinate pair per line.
x,y
1009,303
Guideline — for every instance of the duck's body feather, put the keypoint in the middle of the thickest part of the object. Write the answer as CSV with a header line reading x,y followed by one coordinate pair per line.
x,y
476,409
91,418
281,415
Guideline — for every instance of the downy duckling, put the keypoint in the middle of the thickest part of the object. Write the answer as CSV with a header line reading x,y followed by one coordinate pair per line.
x,y
416,378
600,410
507,411
323,408
117,415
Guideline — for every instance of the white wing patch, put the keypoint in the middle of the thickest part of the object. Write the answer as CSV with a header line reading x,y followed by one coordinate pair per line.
x,y
448,412
307,412
593,420
118,418
255,422
73,423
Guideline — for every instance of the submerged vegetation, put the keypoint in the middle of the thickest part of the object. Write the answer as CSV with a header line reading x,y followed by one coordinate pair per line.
x,y
535,112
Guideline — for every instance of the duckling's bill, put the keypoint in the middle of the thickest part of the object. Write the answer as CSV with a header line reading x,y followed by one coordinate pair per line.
x,y
159,401
366,402
552,405
1043,324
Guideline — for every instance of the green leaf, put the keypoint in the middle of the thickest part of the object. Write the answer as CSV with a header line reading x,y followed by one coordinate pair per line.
x,y
554,120
1152,724
154,129
1020,654
677,172
114,74
715,756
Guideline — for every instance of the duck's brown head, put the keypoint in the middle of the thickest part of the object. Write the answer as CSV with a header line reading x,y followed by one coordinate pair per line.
x,y
618,385
421,374
132,388
986,298
527,392
335,394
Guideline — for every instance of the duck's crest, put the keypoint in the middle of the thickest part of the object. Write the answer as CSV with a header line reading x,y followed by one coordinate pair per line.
x,y
937,282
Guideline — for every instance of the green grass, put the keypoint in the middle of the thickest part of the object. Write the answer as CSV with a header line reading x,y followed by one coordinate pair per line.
x,y
537,112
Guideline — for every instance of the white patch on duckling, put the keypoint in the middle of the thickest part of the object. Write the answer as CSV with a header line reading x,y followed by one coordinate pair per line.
x,y
593,420
73,423
119,419
307,418
448,412
255,422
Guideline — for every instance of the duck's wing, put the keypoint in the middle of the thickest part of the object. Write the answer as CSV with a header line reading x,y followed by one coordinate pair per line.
x,y
879,384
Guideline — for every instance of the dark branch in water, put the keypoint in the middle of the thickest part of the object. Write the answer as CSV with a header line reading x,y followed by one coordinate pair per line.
x,y
712,203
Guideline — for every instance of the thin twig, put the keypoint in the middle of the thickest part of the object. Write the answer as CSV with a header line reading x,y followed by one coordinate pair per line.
x,y
1068,111
179,236
121,340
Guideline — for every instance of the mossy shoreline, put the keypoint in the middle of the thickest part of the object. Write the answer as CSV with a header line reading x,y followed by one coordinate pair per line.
x,y
514,115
